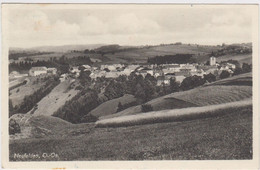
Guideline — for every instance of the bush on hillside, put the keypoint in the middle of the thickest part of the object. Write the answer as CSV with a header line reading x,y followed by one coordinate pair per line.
x,y
147,108
224,74
14,127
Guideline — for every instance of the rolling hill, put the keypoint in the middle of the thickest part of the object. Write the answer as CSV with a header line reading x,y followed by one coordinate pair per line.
x,y
111,54
215,138
222,91
110,107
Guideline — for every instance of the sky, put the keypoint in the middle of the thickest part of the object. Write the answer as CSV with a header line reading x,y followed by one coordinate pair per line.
x,y
50,25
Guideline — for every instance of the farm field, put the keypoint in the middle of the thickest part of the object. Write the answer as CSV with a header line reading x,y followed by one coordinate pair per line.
x,y
242,79
223,91
140,54
201,96
183,114
110,107
17,95
214,138
211,95
242,58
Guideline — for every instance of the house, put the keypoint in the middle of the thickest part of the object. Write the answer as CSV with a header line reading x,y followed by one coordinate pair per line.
x,y
162,80
169,75
52,71
15,74
112,74
87,67
179,78
75,70
157,72
36,71
63,77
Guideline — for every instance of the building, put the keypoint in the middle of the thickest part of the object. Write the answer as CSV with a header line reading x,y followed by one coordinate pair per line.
x,y
162,80
212,61
52,71
36,71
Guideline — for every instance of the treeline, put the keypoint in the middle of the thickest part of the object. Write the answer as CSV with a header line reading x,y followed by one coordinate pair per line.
x,y
169,59
109,49
62,64
233,49
16,56
18,85
31,100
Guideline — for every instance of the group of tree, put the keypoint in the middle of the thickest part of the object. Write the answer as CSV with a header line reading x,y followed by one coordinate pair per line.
x,y
17,55
62,64
31,100
233,49
77,109
168,59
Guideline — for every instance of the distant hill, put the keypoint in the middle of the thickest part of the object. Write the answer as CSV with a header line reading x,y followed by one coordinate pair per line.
x,y
114,53
58,49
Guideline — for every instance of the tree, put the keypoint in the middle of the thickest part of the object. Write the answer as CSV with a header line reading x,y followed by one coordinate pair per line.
x,y
139,92
84,77
147,108
246,67
14,127
191,82
237,71
119,107
210,77
174,86
224,74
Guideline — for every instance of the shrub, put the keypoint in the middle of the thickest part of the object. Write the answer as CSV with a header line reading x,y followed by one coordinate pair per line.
x,y
224,74
89,118
147,108
14,127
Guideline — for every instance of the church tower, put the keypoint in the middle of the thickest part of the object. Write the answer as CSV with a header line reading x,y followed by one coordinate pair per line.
x,y
212,61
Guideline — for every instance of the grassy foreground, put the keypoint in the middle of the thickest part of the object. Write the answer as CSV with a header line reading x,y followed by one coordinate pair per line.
x,y
216,138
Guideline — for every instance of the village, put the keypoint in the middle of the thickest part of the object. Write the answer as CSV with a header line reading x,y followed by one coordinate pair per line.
x,y
163,72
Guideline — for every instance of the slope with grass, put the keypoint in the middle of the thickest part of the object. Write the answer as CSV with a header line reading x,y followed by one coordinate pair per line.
x,y
241,58
111,106
17,94
183,114
55,99
231,89
214,138
41,126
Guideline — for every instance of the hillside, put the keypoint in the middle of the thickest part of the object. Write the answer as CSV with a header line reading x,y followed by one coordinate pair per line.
x,y
41,126
111,54
222,91
110,107
55,99
214,138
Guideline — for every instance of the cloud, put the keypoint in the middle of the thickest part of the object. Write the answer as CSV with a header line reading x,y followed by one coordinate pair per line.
x,y
129,27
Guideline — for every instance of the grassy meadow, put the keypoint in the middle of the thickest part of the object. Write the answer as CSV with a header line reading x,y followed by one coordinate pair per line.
x,y
213,138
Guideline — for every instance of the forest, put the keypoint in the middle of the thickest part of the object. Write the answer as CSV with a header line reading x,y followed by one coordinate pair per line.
x,y
169,59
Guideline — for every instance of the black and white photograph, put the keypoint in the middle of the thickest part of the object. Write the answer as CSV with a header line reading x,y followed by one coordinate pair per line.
x,y
129,82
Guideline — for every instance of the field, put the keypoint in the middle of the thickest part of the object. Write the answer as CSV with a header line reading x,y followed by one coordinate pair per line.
x,y
55,99
139,54
110,107
17,95
231,89
239,80
212,95
214,138
183,114
242,58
